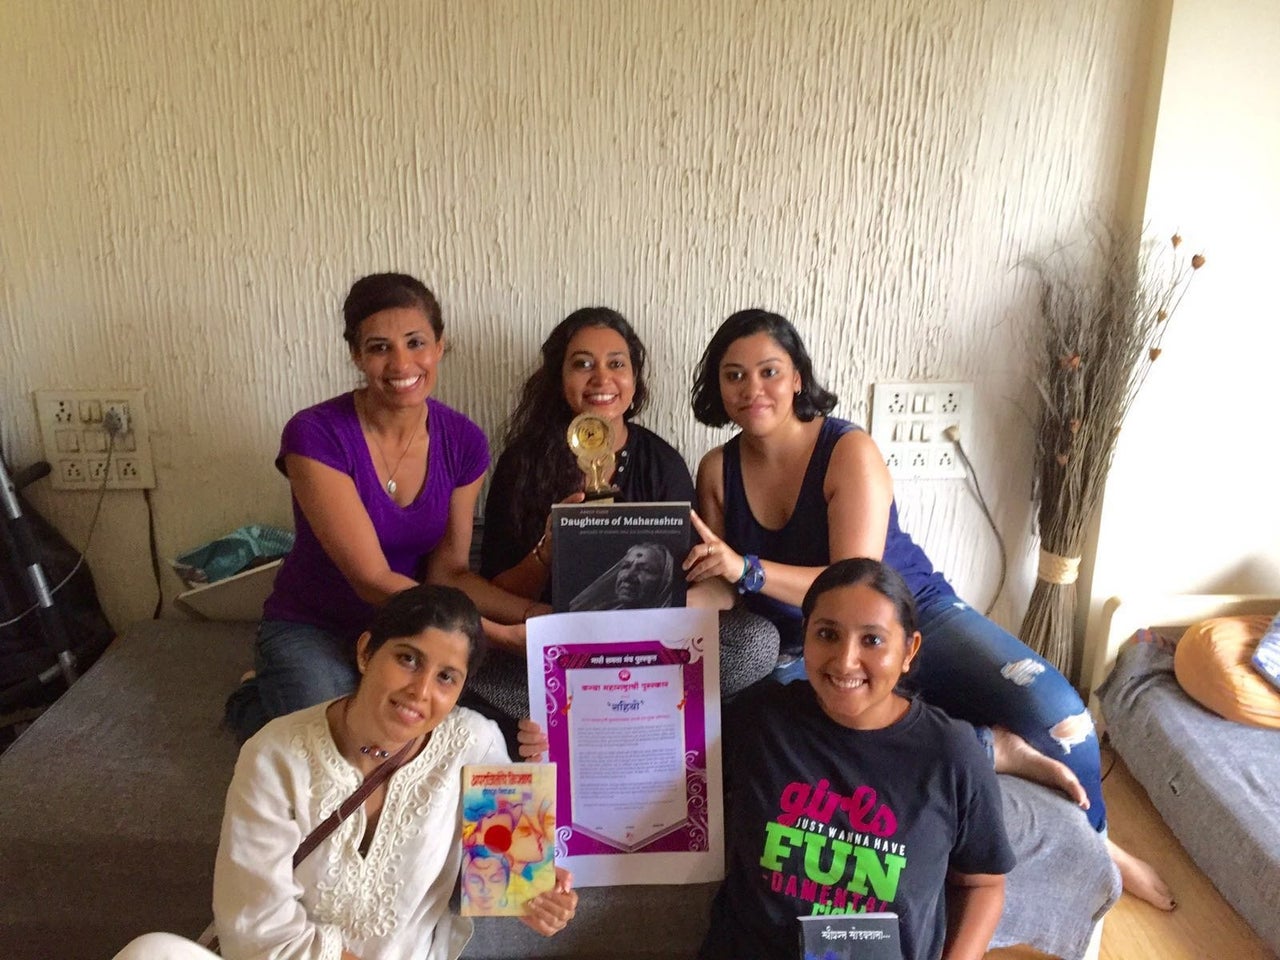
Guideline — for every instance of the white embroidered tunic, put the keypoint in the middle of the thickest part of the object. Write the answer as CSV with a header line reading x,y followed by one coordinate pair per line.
x,y
391,904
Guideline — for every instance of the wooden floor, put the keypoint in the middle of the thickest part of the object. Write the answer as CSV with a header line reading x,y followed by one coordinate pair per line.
x,y
1203,927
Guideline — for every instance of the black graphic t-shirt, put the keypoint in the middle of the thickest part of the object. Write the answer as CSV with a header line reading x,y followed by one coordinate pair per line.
x,y
824,819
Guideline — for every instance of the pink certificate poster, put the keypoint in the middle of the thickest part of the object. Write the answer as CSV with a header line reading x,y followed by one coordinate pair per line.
x,y
630,701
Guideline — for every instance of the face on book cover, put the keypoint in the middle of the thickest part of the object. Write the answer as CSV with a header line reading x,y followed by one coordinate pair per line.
x,y
640,574
597,374
855,651
409,684
486,880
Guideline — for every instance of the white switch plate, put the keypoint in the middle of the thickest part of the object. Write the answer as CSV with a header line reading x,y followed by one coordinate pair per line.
x,y
76,442
907,423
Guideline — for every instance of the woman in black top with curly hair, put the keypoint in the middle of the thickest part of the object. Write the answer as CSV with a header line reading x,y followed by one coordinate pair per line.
x,y
592,362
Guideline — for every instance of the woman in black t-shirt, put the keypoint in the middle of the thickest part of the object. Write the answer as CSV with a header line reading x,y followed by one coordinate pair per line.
x,y
844,796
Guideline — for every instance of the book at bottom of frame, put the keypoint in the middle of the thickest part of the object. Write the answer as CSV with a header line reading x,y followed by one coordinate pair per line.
x,y
850,936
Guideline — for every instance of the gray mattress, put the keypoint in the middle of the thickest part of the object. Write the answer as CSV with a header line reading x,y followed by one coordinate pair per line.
x,y
1216,783
110,806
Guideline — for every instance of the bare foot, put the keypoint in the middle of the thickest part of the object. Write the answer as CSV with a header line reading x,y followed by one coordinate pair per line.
x,y
1014,755
1140,878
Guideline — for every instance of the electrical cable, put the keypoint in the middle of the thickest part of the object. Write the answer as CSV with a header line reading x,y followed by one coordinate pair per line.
x,y
1106,748
93,525
952,433
155,553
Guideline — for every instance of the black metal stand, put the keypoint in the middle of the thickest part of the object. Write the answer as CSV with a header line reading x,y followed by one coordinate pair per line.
x,y
21,546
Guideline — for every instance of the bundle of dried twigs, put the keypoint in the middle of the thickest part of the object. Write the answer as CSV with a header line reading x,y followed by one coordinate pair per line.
x,y
1104,307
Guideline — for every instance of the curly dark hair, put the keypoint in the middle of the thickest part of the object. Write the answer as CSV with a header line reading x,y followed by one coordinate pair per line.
x,y
534,434
708,406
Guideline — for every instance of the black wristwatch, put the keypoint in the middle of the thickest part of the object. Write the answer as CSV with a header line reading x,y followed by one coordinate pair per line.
x,y
752,579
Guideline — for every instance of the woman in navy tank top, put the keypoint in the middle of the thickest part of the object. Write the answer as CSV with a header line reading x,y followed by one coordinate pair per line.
x,y
796,490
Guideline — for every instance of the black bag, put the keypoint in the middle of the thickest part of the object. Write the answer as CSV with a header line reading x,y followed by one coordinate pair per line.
x,y
25,650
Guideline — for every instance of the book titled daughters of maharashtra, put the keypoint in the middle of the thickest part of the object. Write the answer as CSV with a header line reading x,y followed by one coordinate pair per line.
x,y
508,836
850,936
618,556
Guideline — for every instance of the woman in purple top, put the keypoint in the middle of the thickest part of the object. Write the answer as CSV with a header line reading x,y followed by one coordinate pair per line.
x,y
384,482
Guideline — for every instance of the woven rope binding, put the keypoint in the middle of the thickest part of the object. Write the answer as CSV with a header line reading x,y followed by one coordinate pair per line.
x,y
1056,569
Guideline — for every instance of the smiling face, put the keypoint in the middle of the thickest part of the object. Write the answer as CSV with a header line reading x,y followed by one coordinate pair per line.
x,y
399,355
758,383
640,574
409,684
597,375
855,651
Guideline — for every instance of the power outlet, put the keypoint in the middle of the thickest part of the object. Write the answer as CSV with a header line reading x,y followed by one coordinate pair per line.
x,y
908,420
73,425
71,473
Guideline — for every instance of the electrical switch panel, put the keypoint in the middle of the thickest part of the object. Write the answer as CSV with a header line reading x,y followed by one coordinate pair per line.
x,y
81,449
910,423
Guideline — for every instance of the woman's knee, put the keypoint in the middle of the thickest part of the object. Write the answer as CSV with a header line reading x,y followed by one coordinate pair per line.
x,y
162,946
300,665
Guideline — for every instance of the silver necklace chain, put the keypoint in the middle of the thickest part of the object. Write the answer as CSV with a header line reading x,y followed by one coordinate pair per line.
x,y
391,474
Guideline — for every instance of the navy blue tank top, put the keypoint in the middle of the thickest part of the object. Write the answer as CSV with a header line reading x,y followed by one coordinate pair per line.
x,y
803,541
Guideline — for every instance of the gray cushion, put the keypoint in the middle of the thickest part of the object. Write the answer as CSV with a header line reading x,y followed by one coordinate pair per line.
x,y
113,797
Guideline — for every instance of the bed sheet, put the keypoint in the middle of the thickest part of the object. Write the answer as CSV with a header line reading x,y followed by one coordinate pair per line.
x,y
1216,783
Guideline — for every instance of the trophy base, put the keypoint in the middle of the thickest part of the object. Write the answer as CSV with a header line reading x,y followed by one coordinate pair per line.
x,y
600,496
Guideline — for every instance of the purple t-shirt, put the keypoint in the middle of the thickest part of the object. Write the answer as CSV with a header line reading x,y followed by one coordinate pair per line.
x,y
310,588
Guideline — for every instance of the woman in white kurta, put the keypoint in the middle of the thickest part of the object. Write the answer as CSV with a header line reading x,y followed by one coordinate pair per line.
x,y
378,887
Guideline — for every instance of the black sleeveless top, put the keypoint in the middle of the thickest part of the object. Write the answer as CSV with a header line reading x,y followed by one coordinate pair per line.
x,y
804,541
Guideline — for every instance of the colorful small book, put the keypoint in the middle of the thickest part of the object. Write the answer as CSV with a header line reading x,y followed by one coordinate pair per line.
x,y
508,836
850,936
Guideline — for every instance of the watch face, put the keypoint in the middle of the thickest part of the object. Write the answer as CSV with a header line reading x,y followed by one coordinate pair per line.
x,y
589,434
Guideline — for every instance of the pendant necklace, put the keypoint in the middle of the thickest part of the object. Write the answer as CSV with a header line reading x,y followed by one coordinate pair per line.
x,y
368,749
391,474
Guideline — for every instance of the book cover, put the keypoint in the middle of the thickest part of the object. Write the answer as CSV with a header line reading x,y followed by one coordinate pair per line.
x,y
508,836
850,936
618,556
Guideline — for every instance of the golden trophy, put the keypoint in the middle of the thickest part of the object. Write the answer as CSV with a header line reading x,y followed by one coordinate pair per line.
x,y
591,441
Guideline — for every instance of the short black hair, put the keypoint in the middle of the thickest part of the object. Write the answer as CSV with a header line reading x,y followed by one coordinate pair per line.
x,y
876,574
708,406
409,612
386,291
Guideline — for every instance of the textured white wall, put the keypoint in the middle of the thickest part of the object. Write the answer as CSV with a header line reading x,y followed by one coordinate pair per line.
x,y
1191,502
188,189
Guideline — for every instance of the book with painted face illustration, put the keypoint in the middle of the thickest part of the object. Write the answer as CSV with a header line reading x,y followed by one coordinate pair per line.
x,y
508,836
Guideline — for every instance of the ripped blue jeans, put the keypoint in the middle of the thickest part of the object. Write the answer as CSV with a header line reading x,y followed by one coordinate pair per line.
x,y
979,672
